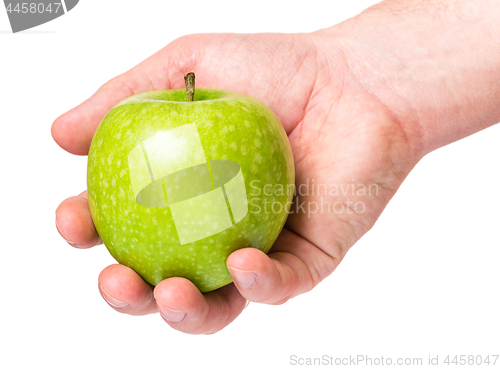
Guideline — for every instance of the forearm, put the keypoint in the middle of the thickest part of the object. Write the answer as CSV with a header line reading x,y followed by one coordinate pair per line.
x,y
435,64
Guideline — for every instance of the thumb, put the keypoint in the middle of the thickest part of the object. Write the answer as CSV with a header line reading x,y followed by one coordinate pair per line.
x,y
73,131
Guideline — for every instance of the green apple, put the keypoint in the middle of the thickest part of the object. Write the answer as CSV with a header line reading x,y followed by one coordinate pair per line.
x,y
175,186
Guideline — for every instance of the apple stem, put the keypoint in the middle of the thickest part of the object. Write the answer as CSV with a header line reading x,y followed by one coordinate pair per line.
x,y
189,80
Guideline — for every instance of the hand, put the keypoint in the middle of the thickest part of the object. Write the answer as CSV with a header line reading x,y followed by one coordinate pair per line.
x,y
352,142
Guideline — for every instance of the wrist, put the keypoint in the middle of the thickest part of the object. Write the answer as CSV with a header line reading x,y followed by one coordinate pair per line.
x,y
434,68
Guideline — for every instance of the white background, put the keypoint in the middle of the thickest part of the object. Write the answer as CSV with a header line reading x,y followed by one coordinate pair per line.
x,y
423,282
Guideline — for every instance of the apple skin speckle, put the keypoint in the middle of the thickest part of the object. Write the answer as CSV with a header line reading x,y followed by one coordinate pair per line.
x,y
231,127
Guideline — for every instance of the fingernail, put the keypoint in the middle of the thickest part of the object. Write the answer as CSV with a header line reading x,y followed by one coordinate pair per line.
x,y
244,278
112,301
63,235
174,316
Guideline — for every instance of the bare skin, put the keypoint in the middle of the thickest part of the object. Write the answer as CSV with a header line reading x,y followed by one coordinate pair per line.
x,y
362,102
